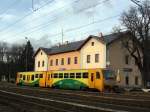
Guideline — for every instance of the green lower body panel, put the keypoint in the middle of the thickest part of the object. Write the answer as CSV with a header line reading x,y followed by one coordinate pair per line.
x,y
70,84
33,83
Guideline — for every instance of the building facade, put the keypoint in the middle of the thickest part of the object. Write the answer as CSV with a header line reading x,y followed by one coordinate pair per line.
x,y
119,59
41,60
93,52
84,54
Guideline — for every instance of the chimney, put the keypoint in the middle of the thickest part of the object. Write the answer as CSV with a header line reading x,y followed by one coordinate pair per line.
x,y
66,42
100,34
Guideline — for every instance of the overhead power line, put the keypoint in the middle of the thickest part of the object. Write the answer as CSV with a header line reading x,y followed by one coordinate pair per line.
x,y
38,27
22,18
28,14
83,26
9,7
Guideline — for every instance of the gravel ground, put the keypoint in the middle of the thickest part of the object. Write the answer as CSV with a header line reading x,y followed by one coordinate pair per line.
x,y
4,108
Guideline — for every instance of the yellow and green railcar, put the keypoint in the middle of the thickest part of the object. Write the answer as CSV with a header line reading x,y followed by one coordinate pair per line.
x,y
69,79
31,78
76,79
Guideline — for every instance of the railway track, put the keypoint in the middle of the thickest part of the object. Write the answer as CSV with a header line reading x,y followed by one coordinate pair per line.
x,y
51,105
80,102
128,97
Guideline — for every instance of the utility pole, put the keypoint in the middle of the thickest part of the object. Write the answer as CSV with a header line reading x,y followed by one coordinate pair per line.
x,y
33,6
62,35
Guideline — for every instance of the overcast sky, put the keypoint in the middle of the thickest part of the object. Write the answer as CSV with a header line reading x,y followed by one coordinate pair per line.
x,y
44,21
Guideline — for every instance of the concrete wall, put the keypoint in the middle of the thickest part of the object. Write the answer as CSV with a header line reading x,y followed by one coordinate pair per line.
x,y
88,49
116,57
40,57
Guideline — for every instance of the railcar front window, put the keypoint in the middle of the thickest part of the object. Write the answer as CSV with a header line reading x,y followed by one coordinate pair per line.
x,y
108,74
97,75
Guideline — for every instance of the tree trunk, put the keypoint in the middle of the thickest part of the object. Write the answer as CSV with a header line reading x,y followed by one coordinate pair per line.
x,y
146,64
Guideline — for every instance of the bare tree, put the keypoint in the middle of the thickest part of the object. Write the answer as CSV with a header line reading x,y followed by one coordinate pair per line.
x,y
3,50
137,21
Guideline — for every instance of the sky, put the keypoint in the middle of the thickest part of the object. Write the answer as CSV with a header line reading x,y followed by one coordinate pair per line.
x,y
45,22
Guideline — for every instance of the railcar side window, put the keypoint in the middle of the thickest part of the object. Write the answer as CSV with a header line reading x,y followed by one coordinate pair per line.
x,y
32,78
78,75
41,75
72,75
24,77
97,75
51,75
60,75
66,75
20,75
28,77
55,75
85,74
36,75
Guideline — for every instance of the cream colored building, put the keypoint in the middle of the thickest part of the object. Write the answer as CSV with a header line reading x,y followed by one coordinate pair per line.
x,y
84,54
41,60
92,49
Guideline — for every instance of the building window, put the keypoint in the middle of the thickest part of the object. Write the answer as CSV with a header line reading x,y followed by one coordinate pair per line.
x,y
51,62
62,61
42,63
127,80
56,61
92,43
127,59
75,60
136,80
88,58
69,61
38,63
96,58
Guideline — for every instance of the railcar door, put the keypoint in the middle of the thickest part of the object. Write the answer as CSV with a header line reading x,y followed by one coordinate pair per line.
x,y
91,79
42,77
49,79
99,82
